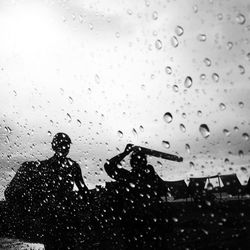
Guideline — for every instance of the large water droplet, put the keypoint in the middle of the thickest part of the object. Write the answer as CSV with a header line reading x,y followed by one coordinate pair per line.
x,y
168,117
179,30
188,82
204,130
174,41
240,19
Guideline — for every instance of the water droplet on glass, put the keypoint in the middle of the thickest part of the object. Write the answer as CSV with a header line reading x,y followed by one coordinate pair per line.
x,y
222,106
79,122
187,148
175,88
188,82
155,15
141,128
240,19
134,132
70,100
241,153
242,69
165,144
174,41
226,132
49,133
241,105
207,62
236,129
69,117
204,130
245,136
179,30
182,128
202,37
97,78
168,117
168,70
158,44
248,56
199,113
195,8
230,45
215,77
119,133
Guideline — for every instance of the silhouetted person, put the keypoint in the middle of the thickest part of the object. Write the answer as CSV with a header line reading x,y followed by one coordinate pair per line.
x,y
51,191
143,212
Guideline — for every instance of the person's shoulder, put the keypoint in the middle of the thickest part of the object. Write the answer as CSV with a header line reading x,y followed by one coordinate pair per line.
x,y
30,165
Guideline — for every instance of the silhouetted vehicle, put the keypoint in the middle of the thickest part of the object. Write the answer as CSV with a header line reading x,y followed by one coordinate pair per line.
x,y
144,214
44,197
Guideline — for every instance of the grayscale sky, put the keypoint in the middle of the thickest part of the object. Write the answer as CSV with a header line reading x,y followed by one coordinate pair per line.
x,y
94,68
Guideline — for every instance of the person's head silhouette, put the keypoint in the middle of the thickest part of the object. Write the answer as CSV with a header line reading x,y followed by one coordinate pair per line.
x,y
61,144
138,159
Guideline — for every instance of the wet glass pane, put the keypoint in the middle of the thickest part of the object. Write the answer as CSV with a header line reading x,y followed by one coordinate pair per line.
x,y
124,124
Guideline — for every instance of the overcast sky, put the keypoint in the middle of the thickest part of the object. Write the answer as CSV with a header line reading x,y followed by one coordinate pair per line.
x,y
94,68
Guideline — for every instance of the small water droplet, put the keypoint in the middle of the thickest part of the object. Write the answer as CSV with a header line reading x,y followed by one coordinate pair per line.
x,y
168,117
97,78
199,113
166,144
241,153
174,41
71,100
207,62
222,106
155,15
79,122
241,69
141,128
230,45
158,44
204,130
134,132
240,19
215,77
241,105
175,88
179,30
69,117
188,82
49,133
202,37
245,136
236,129
182,128
119,133
168,70
187,148
226,132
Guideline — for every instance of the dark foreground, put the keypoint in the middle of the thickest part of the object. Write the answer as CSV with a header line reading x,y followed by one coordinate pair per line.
x,y
223,225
